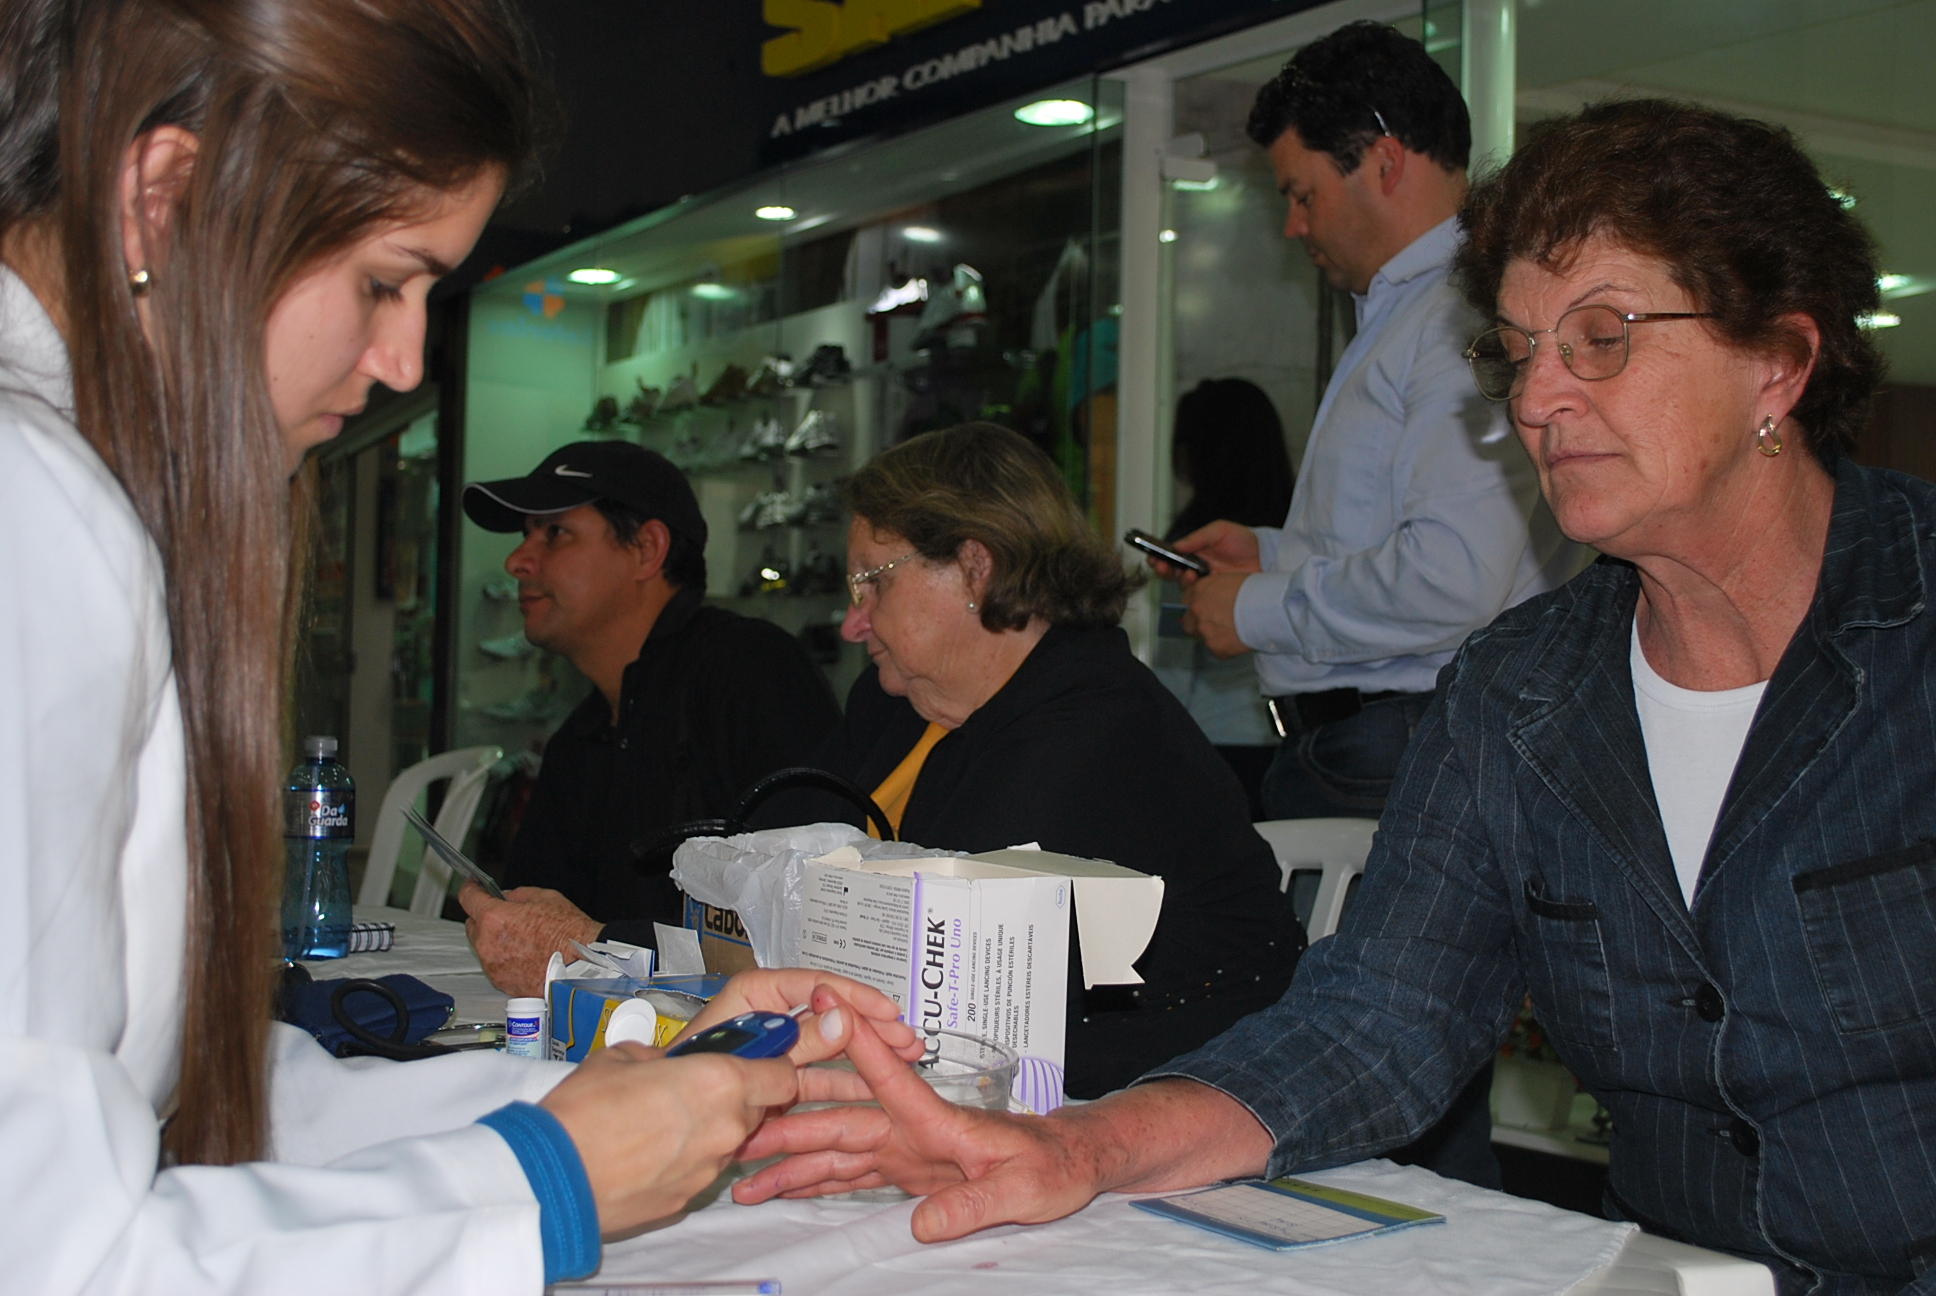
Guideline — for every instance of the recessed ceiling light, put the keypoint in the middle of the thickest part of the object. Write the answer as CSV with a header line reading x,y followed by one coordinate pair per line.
x,y
1879,320
775,212
597,275
921,234
710,291
1055,112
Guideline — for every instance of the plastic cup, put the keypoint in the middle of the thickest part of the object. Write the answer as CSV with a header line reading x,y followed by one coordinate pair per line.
x,y
967,1070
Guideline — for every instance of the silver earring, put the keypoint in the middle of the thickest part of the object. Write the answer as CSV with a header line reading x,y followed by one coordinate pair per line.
x,y
1767,440
971,607
139,281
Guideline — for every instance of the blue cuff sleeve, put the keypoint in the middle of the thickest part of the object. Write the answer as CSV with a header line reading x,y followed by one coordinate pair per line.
x,y
567,1215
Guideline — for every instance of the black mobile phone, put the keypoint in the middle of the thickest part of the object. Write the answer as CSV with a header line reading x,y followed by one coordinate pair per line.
x,y
1149,544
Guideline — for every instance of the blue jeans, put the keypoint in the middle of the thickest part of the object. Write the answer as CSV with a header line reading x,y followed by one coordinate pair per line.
x,y
1345,767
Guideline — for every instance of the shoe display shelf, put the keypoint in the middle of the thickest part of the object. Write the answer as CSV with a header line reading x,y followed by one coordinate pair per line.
x,y
766,425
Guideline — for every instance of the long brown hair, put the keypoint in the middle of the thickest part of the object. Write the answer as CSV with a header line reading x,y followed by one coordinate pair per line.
x,y
317,121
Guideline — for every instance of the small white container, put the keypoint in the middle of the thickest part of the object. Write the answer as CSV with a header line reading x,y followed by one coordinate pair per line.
x,y
525,1029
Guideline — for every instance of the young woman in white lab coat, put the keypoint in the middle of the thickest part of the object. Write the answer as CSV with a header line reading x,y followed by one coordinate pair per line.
x,y
219,220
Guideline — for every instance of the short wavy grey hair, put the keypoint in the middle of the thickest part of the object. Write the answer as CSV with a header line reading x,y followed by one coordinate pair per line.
x,y
982,482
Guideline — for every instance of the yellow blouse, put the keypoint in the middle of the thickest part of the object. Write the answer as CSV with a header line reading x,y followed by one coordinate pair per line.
x,y
893,793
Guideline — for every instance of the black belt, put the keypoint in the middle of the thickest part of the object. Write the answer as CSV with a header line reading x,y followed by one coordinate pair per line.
x,y
1297,712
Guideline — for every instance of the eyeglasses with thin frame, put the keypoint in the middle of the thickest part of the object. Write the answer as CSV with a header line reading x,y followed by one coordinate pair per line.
x,y
856,581
1592,340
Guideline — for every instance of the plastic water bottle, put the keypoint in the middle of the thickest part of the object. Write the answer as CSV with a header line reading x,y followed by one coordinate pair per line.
x,y
319,822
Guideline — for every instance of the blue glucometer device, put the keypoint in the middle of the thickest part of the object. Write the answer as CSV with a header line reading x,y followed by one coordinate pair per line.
x,y
749,1035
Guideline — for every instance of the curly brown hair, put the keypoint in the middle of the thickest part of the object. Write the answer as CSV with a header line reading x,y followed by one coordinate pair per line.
x,y
982,482
1735,211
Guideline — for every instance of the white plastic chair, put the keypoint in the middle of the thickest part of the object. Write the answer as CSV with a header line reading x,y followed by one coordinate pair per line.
x,y
469,770
1333,848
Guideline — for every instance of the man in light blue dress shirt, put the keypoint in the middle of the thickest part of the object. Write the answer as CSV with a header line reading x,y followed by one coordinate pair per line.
x,y
1417,518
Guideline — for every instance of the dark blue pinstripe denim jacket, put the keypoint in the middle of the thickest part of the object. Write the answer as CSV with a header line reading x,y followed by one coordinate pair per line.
x,y
1769,1057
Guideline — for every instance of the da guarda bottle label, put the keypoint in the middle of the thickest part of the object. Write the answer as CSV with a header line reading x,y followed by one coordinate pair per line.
x,y
320,812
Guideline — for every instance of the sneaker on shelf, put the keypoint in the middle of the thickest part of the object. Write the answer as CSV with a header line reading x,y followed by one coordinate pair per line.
x,y
772,437
775,508
818,431
772,377
729,386
643,405
902,298
828,365
501,589
954,313
604,414
821,504
763,439
508,648
682,393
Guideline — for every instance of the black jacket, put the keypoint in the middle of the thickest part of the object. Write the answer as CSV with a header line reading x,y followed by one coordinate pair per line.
x,y
714,701
1084,751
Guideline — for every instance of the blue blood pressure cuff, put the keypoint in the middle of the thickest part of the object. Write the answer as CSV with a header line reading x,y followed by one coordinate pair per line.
x,y
385,1016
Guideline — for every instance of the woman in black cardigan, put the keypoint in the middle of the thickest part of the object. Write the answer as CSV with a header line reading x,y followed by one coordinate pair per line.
x,y
1003,706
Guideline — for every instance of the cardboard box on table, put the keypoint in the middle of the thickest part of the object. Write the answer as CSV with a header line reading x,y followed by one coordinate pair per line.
x,y
581,1009
980,943
723,941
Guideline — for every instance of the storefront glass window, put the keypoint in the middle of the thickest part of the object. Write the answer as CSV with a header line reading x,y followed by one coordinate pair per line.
x,y
769,339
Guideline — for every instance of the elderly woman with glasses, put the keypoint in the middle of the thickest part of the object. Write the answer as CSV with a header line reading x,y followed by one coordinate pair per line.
x,y
1687,802
1002,706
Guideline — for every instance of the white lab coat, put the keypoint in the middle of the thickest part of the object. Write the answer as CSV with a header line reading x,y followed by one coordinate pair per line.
x,y
381,1181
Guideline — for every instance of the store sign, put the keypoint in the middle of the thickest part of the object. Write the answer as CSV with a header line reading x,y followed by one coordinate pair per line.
x,y
838,69
821,32
784,79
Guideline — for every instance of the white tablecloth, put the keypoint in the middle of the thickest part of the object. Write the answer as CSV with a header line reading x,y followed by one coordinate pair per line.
x,y
1490,1245
434,949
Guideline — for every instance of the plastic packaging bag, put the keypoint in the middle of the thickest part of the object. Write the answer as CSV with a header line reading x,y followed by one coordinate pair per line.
x,y
758,876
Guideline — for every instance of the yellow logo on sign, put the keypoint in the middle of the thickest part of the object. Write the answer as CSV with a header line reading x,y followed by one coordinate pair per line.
x,y
820,32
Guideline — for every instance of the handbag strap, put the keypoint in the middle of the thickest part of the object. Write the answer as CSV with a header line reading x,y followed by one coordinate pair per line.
x,y
826,780
791,777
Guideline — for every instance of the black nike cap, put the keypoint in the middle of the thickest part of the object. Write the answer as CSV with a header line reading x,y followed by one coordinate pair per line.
x,y
643,480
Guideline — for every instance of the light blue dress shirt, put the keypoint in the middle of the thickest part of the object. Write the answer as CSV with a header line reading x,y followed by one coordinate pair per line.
x,y
1417,516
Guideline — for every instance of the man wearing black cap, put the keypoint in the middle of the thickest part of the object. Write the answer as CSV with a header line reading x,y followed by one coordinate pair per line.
x,y
690,703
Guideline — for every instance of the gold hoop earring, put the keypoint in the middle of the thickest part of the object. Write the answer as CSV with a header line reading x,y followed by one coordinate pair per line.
x,y
1767,440
139,281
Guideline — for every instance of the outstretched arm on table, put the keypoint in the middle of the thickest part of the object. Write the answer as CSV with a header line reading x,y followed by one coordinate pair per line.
x,y
979,1169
